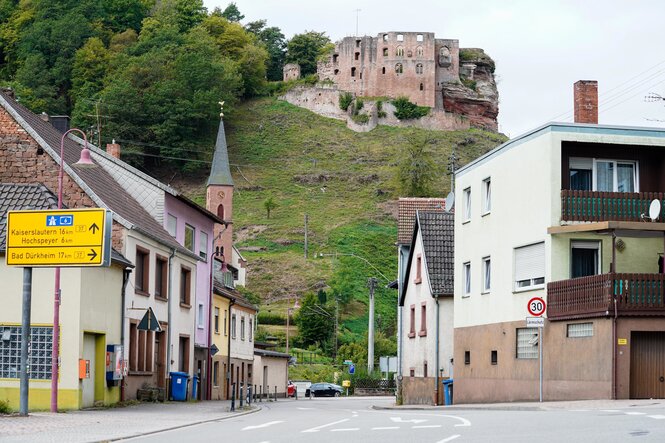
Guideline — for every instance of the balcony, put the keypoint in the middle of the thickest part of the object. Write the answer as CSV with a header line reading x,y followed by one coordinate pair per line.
x,y
587,297
593,206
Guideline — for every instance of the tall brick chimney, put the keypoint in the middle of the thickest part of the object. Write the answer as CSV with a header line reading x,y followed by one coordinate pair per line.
x,y
586,101
113,149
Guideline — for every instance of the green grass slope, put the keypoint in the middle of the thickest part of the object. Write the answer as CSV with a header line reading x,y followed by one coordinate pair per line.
x,y
345,182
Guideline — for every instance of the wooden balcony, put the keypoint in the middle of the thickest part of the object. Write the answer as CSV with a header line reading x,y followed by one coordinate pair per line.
x,y
588,297
592,206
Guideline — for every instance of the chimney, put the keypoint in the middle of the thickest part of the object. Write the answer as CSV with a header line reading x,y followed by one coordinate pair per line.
x,y
113,149
586,101
60,122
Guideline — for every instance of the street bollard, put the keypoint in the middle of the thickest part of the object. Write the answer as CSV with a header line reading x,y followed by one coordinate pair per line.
x,y
233,397
242,394
261,394
275,393
254,393
249,394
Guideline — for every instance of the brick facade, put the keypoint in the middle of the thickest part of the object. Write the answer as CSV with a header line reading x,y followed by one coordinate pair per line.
x,y
586,101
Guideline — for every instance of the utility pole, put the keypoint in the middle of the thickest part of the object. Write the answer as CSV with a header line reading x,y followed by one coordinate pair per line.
x,y
370,334
306,244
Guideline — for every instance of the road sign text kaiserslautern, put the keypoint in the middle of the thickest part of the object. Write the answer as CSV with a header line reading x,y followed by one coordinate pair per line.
x,y
62,237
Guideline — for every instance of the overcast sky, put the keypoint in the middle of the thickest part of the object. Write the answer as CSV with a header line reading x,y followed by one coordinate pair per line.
x,y
540,47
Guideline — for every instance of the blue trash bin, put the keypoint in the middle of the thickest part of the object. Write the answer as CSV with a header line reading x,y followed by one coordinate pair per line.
x,y
448,391
195,386
179,382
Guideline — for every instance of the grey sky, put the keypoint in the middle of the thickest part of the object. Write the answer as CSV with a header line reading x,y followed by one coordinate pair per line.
x,y
540,47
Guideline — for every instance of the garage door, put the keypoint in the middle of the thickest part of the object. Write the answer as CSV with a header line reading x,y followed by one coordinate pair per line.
x,y
647,365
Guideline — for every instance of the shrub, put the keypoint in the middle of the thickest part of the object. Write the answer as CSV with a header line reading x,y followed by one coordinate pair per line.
x,y
379,109
471,84
4,407
361,119
359,105
345,99
405,110
269,318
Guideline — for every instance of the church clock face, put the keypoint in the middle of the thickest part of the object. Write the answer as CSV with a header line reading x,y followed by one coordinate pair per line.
x,y
221,194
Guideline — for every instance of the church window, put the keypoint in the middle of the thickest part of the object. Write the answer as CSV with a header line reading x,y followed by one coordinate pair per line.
x,y
220,211
422,88
419,68
398,68
383,70
353,72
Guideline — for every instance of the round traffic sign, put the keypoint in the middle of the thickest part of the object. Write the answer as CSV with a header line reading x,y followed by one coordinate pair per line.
x,y
536,306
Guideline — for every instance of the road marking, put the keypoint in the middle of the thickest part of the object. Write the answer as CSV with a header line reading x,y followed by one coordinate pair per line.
x,y
264,425
579,410
610,410
636,413
425,426
464,421
451,438
305,409
401,420
317,428
657,417
384,428
344,429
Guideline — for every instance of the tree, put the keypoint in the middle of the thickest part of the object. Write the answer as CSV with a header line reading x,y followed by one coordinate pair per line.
x,y
232,13
305,49
417,171
275,43
269,204
315,321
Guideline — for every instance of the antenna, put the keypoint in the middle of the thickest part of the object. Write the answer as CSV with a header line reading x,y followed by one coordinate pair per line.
x,y
450,201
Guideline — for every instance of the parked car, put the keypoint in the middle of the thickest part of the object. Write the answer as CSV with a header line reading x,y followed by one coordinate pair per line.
x,y
291,389
324,390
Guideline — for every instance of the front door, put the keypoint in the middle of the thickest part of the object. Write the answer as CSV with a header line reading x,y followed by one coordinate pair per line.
x,y
647,364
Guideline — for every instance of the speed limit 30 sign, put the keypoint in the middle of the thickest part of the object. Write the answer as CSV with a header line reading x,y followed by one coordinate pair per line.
x,y
536,306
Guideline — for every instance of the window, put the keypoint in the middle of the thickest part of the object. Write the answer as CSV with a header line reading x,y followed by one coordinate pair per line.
x,y
385,37
216,322
220,211
161,275
467,357
419,51
419,266
419,69
201,316
185,284
335,56
251,329
336,71
424,369
423,320
575,330
494,357
580,173
189,237
140,349
398,68
242,327
422,87
527,343
487,274
40,352
400,37
412,372
353,72
467,204
142,270
357,43
584,258
603,175
357,56
487,196
383,70
233,326
399,52
215,373
172,225
467,277
419,37
530,266
412,328
385,52
203,245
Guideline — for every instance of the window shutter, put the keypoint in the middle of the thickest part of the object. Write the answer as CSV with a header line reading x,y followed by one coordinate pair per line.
x,y
530,262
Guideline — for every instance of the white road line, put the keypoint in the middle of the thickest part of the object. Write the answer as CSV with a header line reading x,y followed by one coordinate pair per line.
x,y
425,426
317,428
305,409
610,410
636,413
401,420
344,429
657,417
264,425
384,428
451,438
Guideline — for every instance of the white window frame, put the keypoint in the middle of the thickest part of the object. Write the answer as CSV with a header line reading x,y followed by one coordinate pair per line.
x,y
487,196
467,204
191,228
172,224
203,245
594,173
487,275
200,315
587,244
467,278
242,327
233,326
535,281
216,322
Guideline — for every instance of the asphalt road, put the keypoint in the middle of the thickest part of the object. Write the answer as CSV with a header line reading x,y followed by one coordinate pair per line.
x,y
355,420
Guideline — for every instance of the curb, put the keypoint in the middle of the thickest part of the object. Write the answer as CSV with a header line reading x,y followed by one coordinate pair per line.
x,y
141,434
459,408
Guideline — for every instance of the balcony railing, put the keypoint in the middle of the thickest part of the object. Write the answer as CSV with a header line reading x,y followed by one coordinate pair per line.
x,y
605,206
587,297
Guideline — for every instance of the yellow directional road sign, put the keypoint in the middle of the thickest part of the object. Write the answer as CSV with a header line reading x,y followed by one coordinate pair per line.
x,y
63,237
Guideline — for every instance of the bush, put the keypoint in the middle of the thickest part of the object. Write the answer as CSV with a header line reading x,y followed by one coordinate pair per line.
x,y
361,119
379,109
359,105
269,318
4,407
405,110
345,99
471,84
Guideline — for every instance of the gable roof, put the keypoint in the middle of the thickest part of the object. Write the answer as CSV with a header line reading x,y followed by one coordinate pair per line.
x,y
33,196
437,231
97,183
220,171
406,214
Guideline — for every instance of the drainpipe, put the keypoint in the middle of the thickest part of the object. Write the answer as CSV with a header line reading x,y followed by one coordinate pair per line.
x,y
125,280
170,325
436,375
228,357
614,320
210,307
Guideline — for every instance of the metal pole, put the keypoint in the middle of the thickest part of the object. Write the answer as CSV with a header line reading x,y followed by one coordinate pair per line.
x,y
233,397
540,348
25,340
370,333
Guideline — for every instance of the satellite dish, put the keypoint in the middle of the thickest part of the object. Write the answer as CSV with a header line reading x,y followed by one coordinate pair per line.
x,y
654,209
450,201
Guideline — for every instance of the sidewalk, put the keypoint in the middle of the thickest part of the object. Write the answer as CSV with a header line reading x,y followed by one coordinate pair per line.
x,y
535,406
94,425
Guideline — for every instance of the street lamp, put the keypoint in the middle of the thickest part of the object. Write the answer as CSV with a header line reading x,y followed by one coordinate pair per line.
x,y
288,315
84,162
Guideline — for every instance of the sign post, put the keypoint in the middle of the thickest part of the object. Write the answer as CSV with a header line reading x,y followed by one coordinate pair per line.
x,y
537,307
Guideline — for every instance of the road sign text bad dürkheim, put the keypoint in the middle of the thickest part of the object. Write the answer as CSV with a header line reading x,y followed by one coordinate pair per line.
x,y
63,237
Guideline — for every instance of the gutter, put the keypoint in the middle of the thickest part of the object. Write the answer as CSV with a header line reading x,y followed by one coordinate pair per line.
x,y
170,325
436,375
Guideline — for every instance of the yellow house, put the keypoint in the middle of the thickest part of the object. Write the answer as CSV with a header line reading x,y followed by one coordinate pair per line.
x,y
90,319
220,339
